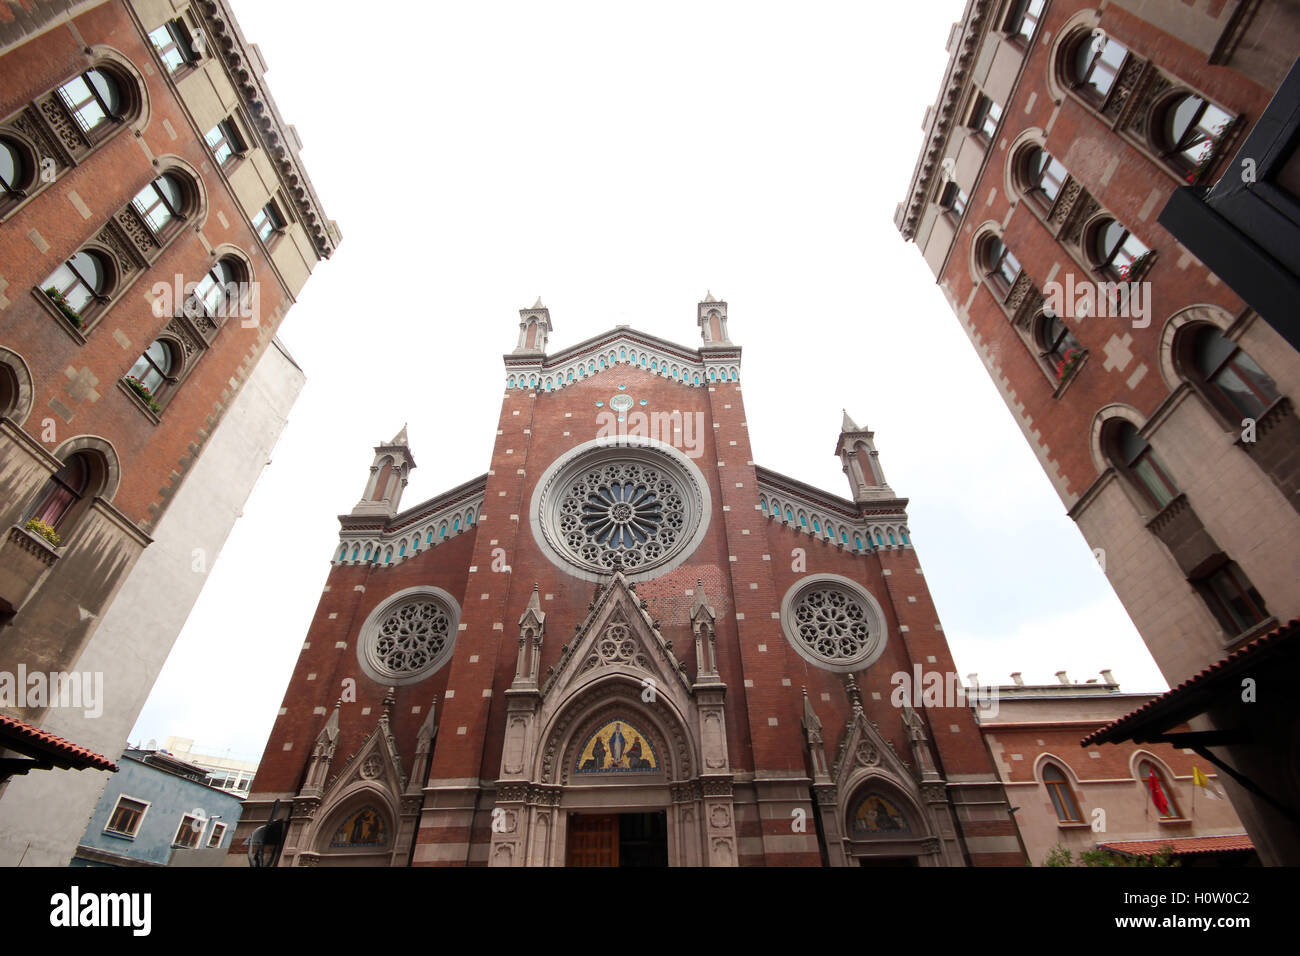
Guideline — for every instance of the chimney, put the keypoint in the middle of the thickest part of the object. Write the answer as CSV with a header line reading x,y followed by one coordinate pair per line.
x,y
1060,675
1020,681
974,679
1107,676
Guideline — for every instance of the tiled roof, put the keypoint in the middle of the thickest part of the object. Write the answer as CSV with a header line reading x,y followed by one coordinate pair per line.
x,y
34,742
1182,847
1164,701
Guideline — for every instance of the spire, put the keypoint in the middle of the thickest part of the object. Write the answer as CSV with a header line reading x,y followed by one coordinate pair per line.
x,y
712,319
534,327
856,450
389,473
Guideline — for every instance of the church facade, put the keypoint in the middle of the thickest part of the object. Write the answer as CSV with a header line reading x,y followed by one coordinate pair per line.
x,y
627,644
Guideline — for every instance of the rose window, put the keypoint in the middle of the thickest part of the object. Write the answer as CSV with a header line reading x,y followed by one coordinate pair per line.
x,y
834,622
408,638
631,508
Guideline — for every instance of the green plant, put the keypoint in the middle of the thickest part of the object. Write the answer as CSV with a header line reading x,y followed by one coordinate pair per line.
x,y
1061,856
36,526
61,303
141,389
1068,364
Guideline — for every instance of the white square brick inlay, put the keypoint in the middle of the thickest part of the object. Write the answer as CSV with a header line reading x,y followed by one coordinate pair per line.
x,y
771,721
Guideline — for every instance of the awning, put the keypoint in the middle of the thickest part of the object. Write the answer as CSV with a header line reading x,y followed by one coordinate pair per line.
x,y
1186,846
46,750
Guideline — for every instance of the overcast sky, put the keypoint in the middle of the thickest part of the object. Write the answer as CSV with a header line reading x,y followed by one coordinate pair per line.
x,y
619,160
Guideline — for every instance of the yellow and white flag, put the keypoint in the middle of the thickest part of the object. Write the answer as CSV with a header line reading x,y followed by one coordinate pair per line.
x,y
1202,781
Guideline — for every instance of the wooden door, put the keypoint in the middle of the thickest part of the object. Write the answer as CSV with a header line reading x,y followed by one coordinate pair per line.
x,y
593,839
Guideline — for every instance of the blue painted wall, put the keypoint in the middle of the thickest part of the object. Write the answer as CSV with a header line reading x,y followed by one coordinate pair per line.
x,y
170,797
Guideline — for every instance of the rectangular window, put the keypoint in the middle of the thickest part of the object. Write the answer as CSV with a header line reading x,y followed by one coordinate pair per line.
x,y
953,199
218,831
187,834
225,142
986,116
1232,599
174,46
126,816
267,222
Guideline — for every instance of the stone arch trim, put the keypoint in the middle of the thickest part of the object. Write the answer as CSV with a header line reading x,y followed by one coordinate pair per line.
x,y
1104,415
1167,355
1066,35
107,454
340,804
1045,758
102,54
979,236
17,367
863,779
1026,138
591,703
171,163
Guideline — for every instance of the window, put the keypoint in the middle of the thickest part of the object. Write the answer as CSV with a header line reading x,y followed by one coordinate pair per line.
x,y
1098,60
986,116
1117,251
15,171
94,99
174,45
953,199
78,285
1024,19
1131,453
267,222
218,832
126,816
1001,264
225,142
1044,176
161,203
1158,792
187,834
217,291
1235,383
1231,598
1058,343
1058,788
153,372
1191,128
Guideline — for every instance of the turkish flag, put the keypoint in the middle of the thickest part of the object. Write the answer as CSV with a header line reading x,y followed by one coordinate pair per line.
x,y
1157,794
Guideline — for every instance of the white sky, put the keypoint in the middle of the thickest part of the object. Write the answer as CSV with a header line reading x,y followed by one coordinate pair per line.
x,y
618,160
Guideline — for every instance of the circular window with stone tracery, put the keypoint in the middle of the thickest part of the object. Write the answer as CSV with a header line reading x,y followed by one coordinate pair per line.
x,y
834,622
639,507
409,636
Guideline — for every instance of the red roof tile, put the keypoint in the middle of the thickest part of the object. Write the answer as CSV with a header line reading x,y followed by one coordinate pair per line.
x,y
23,737
1275,636
1183,846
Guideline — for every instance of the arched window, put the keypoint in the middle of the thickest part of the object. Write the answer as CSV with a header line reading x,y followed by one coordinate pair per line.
x,y
95,101
355,548
1188,130
154,372
1043,175
1058,346
343,553
857,541
1097,61
1229,377
789,515
367,557
1002,267
161,204
455,525
79,286
65,488
17,172
217,294
1133,457
1158,790
1115,250
1058,789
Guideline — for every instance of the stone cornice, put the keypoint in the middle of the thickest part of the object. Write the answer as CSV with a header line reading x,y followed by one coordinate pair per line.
x,y
280,143
941,115
632,336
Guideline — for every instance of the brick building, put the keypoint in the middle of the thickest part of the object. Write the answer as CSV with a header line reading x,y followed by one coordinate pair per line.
x,y
1101,797
626,644
1158,402
156,224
